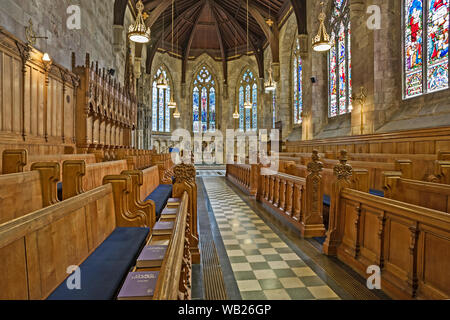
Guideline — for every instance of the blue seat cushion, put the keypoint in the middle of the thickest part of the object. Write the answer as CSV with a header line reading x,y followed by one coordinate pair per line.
x,y
377,193
327,200
59,187
160,196
105,269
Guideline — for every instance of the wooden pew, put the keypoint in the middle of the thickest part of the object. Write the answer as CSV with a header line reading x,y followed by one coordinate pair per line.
x,y
426,194
421,141
410,244
174,280
79,177
38,248
185,181
23,193
15,161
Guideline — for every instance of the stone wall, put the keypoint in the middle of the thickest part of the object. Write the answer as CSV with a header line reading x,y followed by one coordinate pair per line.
x,y
50,19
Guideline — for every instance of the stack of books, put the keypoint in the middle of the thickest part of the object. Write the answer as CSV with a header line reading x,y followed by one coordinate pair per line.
x,y
139,286
163,228
151,257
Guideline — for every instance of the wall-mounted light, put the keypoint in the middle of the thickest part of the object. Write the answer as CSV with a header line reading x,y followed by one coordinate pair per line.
x,y
46,58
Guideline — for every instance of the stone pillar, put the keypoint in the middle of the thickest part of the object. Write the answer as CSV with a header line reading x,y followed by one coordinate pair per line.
x,y
117,38
308,114
318,64
362,49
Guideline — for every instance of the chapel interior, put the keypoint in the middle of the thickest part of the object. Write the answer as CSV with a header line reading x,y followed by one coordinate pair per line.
x,y
266,149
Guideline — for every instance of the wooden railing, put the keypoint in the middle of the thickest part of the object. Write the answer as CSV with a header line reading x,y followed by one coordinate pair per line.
x,y
245,175
285,192
411,244
174,280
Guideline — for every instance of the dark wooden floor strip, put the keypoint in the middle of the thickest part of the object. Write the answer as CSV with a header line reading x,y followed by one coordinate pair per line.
x,y
213,279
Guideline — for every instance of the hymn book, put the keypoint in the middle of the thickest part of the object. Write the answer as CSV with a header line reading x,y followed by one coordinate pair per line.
x,y
139,286
173,202
162,228
151,257
169,213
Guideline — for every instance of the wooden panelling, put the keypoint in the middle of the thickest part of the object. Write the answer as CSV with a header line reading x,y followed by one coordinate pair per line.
x,y
411,244
423,141
27,120
96,172
19,194
151,181
36,249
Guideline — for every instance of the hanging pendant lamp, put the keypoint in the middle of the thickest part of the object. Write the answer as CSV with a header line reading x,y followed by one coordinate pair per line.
x,y
321,42
247,103
138,32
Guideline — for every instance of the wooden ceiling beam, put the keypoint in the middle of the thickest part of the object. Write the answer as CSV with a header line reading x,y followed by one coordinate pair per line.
x,y
155,14
300,10
150,5
221,42
272,36
189,44
155,44
257,49
120,6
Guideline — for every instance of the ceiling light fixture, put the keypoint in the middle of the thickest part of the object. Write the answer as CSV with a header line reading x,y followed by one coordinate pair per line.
x,y
247,103
270,85
139,32
172,104
321,42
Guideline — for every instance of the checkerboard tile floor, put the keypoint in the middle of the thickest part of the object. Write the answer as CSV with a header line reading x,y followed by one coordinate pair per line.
x,y
264,266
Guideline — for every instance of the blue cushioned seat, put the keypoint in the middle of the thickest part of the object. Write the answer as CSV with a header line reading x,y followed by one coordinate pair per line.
x,y
59,190
327,200
105,269
160,196
376,193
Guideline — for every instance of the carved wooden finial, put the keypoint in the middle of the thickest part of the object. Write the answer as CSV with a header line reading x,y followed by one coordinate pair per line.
x,y
184,173
315,166
343,170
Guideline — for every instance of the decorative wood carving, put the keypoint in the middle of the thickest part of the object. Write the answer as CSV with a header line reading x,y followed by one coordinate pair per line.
x,y
14,161
343,172
50,175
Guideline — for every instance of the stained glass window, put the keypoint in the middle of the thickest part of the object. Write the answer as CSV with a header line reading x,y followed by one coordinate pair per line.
x,y
426,25
204,102
339,60
248,91
160,101
297,71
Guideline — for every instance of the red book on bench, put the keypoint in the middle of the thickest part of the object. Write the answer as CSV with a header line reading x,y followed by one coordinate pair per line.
x,y
139,286
163,228
151,257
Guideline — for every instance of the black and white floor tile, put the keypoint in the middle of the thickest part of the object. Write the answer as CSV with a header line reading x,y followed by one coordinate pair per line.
x,y
263,264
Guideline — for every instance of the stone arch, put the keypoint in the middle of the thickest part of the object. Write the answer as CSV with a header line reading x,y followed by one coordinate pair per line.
x,y
120,6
